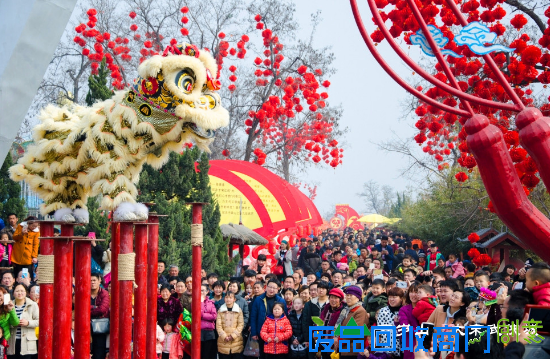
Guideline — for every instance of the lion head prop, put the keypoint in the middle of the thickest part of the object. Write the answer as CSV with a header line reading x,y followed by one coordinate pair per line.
x,y
87,151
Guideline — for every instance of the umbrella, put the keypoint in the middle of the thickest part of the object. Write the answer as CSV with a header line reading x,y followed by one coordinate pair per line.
x,y
239,234
374,218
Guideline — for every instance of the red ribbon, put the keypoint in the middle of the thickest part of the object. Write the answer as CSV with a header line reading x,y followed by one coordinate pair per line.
x,y
171,49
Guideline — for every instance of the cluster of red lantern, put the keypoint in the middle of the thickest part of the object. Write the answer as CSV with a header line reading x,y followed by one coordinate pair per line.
x,y
479,259
260,156
440,133
103,48
276,115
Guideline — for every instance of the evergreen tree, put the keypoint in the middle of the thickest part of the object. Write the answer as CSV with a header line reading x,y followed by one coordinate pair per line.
x,y
170,188
97,86
10,193
98,222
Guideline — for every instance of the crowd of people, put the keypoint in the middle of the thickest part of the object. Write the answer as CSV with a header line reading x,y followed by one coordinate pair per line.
x,y
368,277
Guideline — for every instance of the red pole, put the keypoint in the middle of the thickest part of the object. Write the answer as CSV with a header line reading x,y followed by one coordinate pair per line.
x,y
125,295
196,291
83,268
115,289
63,265
152,282
46,297
140,304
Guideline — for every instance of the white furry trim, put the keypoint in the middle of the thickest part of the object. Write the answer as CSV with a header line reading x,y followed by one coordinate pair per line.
x,y
125,212
64,215
81,215
141,211
207,119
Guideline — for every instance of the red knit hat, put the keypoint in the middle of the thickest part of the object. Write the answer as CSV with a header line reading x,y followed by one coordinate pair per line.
x,y
337,292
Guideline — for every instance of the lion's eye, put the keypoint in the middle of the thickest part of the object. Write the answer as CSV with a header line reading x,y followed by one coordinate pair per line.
x,y
211,101
185,80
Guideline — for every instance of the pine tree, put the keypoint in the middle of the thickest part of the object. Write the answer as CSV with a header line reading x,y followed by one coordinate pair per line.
x,y
98,222
170,188
10,193
97,86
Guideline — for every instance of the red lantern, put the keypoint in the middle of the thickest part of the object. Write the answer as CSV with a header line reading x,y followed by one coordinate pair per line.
x,y
308,230
473,238
292,240
473,253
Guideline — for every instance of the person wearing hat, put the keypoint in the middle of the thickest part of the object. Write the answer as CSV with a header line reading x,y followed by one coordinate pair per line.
x,y
25,248
331,312
355,310
284,258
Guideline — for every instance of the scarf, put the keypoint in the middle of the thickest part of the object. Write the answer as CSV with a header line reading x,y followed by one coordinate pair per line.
x,y
394,310
331,314
344,313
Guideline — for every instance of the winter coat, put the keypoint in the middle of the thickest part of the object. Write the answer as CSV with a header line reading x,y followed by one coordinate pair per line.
x,y
386,317
312,263
101,308
311,309
297,327
7,320
360,315
29,341
287,262
438,316
329,315
244,308
458,268
541,293
302,251
160,339
276,328
424,309
208,315
431,260
176,348
388,258
230,323
372,304
258,312
254,266
25,247
185,301
170,309
406,317
3,249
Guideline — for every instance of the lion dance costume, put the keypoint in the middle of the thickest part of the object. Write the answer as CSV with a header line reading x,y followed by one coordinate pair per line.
x,y
87,151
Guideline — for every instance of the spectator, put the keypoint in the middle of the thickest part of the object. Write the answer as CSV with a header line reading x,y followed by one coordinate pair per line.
x,y
375,300
284,258
406,316
298,342
168,306
304,294
217,294
7,281
313,308
469,269
8,317
537,281
234,287
411,252
275,332
106,259
355,310
249,279
312,260
180,289
331,312
173,271
297,279
5,248
12,225
456,265
24,278
446,290
185,298
325,266
34,293
25,248
230,325
433,257
386,252
289,282
23,340
99,309
311,277
337,279
301,255
161,266
389,315
288,295
427,302
208,325
171,347
262,307
260,265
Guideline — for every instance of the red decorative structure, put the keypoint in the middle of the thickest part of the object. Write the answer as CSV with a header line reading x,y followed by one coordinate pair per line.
x,y
485,140
196,243
55,278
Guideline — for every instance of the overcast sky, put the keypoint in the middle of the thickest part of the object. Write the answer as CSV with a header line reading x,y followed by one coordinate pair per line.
x,y
371,102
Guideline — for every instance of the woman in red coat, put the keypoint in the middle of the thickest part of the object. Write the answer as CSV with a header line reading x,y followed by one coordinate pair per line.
x,y
275,332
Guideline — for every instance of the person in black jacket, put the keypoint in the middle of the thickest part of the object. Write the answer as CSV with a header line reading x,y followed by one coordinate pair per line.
x,y
312,260
313,309
298,342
